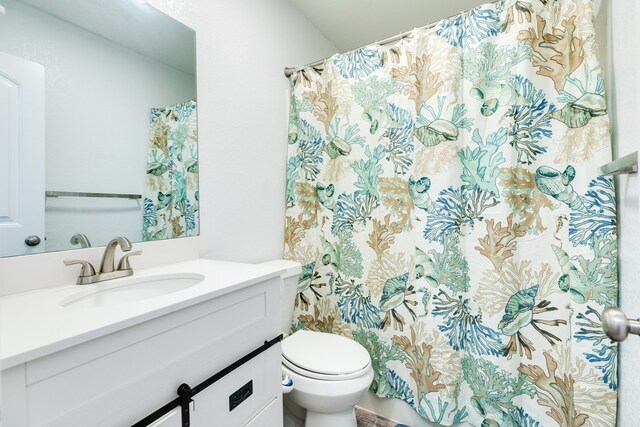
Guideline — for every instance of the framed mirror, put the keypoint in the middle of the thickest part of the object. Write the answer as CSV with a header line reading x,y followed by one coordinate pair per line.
x,y
98,125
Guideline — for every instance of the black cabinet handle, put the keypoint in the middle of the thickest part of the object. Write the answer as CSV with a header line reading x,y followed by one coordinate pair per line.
x,y
240,395
185,393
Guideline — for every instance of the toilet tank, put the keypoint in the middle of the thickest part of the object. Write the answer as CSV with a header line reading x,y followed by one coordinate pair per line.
x,y
288,288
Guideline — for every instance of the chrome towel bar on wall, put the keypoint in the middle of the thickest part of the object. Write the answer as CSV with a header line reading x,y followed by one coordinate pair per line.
x,y
624,165
83,194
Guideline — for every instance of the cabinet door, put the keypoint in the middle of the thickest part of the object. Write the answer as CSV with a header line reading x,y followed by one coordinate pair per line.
x,y
172,419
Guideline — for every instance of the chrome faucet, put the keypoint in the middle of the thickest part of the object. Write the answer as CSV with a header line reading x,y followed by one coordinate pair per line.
x,y
107,264
108,270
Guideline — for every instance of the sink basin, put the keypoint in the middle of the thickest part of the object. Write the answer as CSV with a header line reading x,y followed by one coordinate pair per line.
x,y
131,290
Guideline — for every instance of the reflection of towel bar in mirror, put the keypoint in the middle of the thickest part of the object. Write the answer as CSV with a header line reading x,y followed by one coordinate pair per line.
x,y
103,195
624,165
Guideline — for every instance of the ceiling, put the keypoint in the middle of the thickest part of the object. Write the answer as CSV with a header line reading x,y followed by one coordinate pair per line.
x,y
353,23
132,24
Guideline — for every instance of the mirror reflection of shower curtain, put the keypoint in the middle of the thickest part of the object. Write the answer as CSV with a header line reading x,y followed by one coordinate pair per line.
x,y
171,187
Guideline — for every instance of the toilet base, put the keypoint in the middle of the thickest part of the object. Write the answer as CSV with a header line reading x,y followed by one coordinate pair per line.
x,y
331,419
296,416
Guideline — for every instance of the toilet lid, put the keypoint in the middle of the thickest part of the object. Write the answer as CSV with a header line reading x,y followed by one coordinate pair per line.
x,y
324,353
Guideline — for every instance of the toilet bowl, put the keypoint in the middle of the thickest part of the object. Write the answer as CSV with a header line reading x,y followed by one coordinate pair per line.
x,y
330,373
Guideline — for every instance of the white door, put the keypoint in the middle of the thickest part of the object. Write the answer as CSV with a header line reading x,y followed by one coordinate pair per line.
x,y
21,156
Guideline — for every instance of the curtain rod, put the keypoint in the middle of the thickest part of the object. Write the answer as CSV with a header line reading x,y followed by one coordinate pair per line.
x,y
288,71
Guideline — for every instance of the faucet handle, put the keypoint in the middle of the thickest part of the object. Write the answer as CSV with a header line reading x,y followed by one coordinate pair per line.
x,y
124,261
87,269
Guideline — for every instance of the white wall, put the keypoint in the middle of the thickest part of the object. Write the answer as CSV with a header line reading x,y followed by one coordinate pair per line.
x,y
623,92
242,49
98,100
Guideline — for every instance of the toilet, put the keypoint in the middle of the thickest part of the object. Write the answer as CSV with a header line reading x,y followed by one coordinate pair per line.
x,y
330,373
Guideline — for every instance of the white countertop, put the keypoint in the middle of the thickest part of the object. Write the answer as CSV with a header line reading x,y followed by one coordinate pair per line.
x,y
34,324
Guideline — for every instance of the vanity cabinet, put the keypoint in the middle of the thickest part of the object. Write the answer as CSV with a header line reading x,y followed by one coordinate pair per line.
x,y
120,378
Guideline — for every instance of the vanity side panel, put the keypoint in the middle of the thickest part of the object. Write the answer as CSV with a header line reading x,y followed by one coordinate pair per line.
x,y
14,397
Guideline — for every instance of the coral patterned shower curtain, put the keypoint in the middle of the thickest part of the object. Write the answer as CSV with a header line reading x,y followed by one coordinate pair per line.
x,y
444,199
171,199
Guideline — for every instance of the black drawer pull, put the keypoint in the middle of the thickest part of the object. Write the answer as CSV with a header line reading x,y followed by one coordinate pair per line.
x,y
240,395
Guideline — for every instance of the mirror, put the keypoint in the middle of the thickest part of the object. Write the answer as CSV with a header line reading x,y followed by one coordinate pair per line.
x,y
98,125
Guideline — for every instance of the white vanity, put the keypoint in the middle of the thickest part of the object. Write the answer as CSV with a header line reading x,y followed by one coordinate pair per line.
x,y
111,353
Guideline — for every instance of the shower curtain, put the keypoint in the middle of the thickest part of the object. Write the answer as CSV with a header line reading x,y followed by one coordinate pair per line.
x,y
171,188
444,200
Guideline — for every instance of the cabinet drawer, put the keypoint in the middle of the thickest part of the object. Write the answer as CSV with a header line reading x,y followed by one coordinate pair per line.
x,y
214,406
271,416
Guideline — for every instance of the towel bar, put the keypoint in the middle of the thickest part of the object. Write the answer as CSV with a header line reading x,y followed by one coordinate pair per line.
x,y
83,194
624,165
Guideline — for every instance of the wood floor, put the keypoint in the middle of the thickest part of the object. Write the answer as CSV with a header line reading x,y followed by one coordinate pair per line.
x,y
369,419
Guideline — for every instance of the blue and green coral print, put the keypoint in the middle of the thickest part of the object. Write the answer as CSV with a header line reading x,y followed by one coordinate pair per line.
x,y
171,192
444,201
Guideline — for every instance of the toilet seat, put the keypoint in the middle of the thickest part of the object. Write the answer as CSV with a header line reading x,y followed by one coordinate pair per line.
x,y
326,377
325,356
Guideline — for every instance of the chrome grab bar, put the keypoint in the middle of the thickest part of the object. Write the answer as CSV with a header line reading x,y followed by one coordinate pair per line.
x,y
617,326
